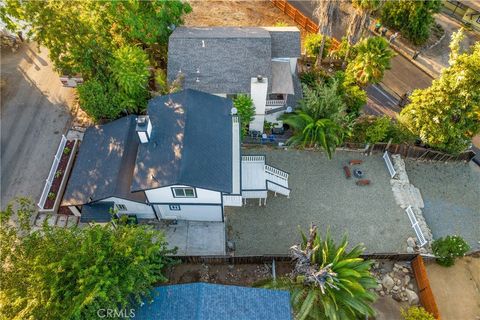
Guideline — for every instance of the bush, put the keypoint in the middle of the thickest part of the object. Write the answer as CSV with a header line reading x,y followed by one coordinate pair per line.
x,y
448,249
313,43
377,131
416,313
97,100
245,109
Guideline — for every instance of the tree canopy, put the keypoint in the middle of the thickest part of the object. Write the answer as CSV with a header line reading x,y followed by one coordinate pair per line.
x,y
372,58
59,273
413,18
447,114
101,40
328,281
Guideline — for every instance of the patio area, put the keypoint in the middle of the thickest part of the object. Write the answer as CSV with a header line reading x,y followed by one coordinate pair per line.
x,y
321,194
451,195
195,238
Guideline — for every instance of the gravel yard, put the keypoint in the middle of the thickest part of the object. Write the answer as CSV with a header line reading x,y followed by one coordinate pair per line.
x,y
321,194
451,195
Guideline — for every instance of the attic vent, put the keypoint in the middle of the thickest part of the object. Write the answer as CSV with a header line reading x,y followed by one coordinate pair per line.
x,y
259,78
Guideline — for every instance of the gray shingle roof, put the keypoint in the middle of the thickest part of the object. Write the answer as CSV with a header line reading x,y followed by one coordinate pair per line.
x,y
104,164
285,42
224,59
190,144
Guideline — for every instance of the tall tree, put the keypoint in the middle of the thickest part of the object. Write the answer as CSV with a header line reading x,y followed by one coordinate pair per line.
x,y
360,18
82,36
328,281
447,114
413,18
58,273
372,58
327,13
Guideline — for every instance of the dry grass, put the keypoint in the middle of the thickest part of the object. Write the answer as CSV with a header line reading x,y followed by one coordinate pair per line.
x,y
236,13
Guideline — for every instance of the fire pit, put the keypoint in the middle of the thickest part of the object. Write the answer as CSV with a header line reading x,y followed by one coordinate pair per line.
x,y
358,173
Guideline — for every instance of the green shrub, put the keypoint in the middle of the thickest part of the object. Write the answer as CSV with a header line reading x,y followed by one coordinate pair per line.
x,y
377,131
245,109
416,313
313,43
98,100
448,249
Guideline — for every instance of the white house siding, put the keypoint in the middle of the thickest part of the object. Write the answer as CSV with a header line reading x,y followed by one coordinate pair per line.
x,y
190,212
165,195
141,210
259,96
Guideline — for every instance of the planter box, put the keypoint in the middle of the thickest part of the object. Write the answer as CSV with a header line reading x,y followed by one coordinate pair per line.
x,y
58,183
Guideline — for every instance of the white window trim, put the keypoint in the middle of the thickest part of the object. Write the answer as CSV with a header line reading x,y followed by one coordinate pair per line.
x,y
184,188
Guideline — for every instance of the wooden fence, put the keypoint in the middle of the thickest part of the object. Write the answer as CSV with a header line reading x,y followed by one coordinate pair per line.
x,y
226,259
424,290
296,15
410,151
303,21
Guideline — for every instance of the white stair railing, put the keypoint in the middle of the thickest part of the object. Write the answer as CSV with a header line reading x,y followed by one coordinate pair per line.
x,y
415,226
253,158
389,164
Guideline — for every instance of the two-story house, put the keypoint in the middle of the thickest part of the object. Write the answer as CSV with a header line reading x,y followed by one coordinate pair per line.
x,y
182,161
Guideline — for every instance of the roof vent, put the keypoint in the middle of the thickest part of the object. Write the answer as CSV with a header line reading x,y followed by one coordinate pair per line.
x,y
203,43
144,128
197,80
259,78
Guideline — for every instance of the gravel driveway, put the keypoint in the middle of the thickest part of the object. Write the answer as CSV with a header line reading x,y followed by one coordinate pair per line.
x,y
34,115
321,194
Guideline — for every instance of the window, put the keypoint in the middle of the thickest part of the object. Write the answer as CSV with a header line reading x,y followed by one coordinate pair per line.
x,y
121,207
175,207
184,192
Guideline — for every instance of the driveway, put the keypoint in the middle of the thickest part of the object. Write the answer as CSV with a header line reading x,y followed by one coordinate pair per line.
x,y
34,115
321,194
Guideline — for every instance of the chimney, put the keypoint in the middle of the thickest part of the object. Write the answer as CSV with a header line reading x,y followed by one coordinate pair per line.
x,y
259,78
144,128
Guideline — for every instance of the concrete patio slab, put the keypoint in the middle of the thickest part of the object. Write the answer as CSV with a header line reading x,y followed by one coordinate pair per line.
x,y
321,194
196,238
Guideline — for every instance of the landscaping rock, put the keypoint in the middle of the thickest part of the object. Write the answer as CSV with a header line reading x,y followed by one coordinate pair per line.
x,y
411,242
388,282
412,297
410,250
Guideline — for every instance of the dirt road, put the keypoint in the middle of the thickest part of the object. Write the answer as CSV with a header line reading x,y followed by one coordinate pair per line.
x,y
34,115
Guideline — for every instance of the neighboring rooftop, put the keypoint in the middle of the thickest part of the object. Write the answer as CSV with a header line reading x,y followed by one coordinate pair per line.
x,y
99,212
224,59
104,164
190,144
213,301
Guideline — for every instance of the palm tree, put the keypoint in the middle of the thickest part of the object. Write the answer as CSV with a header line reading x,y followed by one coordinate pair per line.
x,y
326,12
372,59
328,282
312,132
